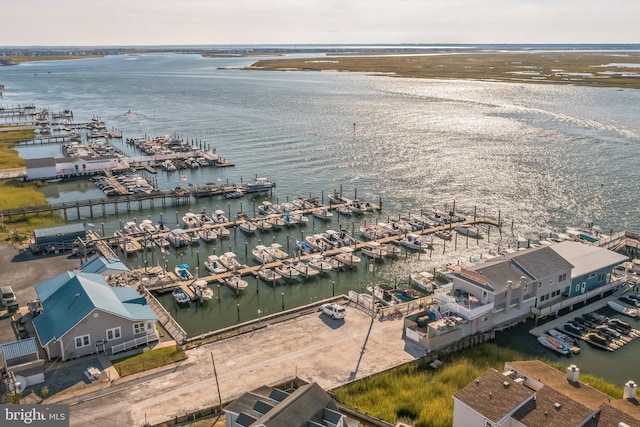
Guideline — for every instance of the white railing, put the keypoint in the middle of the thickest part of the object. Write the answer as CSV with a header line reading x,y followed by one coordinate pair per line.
x,y
568,302
448,302
134,343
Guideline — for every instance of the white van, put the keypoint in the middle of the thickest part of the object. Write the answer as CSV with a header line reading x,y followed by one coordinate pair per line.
x,y
8,297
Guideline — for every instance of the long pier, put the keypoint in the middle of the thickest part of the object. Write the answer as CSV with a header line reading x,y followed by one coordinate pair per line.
x,y
165,197
253,270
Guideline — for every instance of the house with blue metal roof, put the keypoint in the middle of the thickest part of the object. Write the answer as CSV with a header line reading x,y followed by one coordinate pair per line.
x,y
82,314
104,266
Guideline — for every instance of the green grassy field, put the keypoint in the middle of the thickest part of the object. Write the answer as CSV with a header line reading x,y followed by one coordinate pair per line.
x,y
17,194
422,397
148,360
575,68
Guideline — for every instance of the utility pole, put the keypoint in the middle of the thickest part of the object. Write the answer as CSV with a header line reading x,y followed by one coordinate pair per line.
x,y
215,373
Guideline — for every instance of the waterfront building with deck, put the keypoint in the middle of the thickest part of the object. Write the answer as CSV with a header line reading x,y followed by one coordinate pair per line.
x,y
500,292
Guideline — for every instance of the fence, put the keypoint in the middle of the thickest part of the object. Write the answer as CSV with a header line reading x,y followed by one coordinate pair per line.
x,y
135,343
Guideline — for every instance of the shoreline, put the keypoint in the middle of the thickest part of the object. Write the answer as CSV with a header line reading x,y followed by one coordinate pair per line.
x,y
594,69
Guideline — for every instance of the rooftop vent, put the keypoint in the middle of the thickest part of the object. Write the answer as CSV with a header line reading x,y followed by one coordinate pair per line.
x,y
557,405
505,384
573,374
77,295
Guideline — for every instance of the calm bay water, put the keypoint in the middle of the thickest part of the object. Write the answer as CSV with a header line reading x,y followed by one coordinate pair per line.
x,y
543,157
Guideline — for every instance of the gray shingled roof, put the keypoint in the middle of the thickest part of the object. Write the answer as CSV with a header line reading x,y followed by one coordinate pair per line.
x,y
587,258
542,262
551,408
494,395
42,162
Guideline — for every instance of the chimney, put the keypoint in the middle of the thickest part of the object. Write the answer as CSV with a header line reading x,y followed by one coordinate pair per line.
x,y
507,306
573,374
630,389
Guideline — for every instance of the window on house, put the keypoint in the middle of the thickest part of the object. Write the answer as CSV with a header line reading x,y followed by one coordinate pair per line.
x,y
601,277
83,341
138,328
113,334
592,275
577,287
488,423
562,277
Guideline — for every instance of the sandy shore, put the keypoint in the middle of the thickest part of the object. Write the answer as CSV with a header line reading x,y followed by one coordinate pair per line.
x,y
584,68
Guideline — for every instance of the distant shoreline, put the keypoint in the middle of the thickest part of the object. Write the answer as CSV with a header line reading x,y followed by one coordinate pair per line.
x,y
583,68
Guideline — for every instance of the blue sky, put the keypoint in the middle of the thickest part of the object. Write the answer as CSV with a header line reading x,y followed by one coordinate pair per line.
x,y
159,22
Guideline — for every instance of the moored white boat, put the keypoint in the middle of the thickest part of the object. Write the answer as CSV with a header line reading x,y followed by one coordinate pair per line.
x,y
219,217
468,230
416,242
276,252
180,296
131,228
147,226
183,273
317,262
228,259
208,234
287,271
191,220
261,254
214,265
424,280
268,275
443,234
620,308
201,290
259,184
236,282
323,213
263,225
304,269
248,227
391,249
373,250
347,257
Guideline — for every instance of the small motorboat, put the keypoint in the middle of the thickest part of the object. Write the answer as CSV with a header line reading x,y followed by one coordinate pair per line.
x,y
555,345
416,242
214,265
287,271
468,230
269,275
180,296
183,273
201,289
424,280
443,234
236,282
347,257
261,254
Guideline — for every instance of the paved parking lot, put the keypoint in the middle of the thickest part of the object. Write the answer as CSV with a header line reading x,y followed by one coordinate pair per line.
x,y
312,347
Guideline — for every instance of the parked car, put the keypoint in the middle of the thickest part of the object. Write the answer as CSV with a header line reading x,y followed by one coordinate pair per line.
x,y
8,297
336,311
